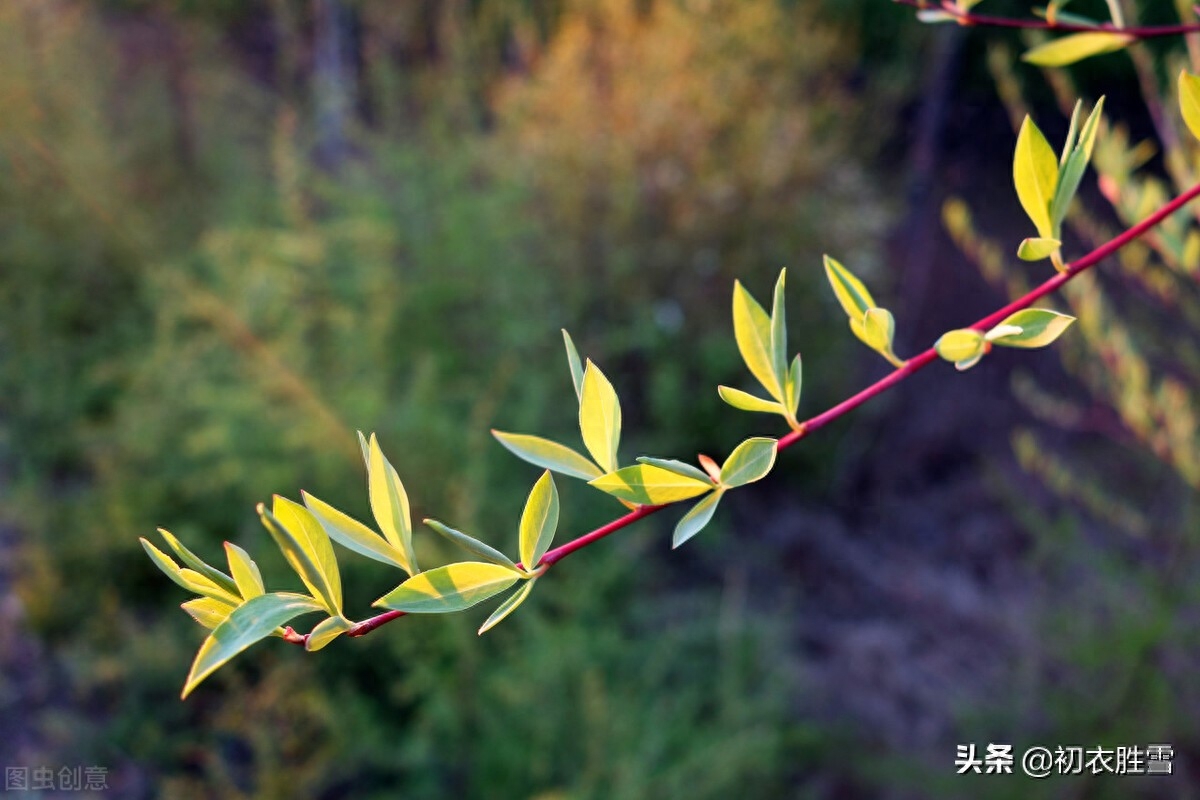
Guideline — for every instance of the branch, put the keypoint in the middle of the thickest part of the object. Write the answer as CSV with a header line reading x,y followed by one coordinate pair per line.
x,y
969,19
911,366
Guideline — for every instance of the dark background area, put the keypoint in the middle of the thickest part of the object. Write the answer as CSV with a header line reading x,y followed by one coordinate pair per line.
x,y
233,233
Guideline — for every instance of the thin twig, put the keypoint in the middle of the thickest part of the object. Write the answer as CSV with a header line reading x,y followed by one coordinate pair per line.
x,y
983,20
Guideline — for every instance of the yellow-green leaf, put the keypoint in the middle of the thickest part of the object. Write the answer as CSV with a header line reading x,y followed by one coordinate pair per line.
x,y
779,331
849,290
353,535
1037,249
198,564
599,417
678,467
752,331
695,519
648,484
326,631
1076,47
791,389
296,552
472,545
1035,174
389,504
750,461
510,604
200,584
574,364
539,521
1074,163
453,587
745,401
245,572
548,455
878,330
252,621
208,612
960,345
309,532
1189,101
1038,327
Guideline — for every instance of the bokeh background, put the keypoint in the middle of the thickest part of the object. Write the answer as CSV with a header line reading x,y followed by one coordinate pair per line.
x,y
232,233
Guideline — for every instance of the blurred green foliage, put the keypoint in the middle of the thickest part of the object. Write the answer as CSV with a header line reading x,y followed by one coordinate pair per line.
x,y
196,316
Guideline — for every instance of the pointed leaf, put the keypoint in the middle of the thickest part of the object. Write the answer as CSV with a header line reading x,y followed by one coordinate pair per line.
x,y
648,484
879,328
752,330
1072,134
793,386
574,363
539,521
252,621
453,587
694,520
353,535
600,417
1037,249
366,450
195,562
849,290
960,345
389,504
1074,165
750,461
311,534
325,632
296,552
1038,328
1189,101
208,612
1035,174
745,401
678,467
164,562
245,572
510,604
473,545
548,455
779,361
1076,47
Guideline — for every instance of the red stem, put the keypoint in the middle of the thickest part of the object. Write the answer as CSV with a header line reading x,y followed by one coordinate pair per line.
x,y
967,18
914,364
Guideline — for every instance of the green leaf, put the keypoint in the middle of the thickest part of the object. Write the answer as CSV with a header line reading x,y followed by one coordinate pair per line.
x,y
752,330
389,504
245,572
353,535
195,562
750,461
878,330
1072,134
366,450
311,534
1037,249
1038,328
325,632
539,521
1076,47
745,401
678,467
548,455
163,562
694,520
453,587
648,484
849,290
208,612
188,578
510,604
1035,173
791,389
1074,165
574,363
473,545
779,362
599,417
252,621
960,345
1189,101
296,552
